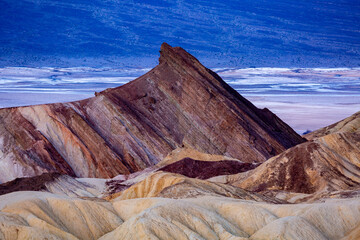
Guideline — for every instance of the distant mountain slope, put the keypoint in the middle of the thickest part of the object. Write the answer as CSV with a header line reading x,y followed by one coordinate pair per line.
x,y
350,124
323,165
228,33
126,129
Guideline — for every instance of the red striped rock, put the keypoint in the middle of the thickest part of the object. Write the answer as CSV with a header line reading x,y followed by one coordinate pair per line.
x,y
126,129
326,164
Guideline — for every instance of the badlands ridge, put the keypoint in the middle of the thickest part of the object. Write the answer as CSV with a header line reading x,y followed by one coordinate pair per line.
x,y
174,154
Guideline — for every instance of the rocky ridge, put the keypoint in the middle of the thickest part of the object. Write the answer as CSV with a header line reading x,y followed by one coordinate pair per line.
x,y
129,128
328,165
181,155
162,205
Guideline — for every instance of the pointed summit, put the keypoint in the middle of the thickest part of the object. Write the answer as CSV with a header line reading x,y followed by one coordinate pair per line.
x,y
178,58
125,129
177,55
165,51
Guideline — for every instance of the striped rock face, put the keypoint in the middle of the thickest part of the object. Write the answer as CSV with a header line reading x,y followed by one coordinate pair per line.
x,y
182,198
129,128
326,166
328,163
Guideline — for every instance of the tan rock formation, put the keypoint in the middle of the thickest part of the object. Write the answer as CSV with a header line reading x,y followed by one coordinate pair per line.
x,y
169,185
38,215
152,218
126,129
55,217
186,152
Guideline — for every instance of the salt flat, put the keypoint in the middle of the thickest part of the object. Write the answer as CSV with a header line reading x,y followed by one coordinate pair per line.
x,y
305,98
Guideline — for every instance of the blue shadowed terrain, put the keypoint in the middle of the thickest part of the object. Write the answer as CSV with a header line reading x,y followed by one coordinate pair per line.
x,y
247,33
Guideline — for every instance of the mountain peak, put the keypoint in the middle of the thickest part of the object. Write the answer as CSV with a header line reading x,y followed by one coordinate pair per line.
x,y
126,129
164,47
178,58
166,52
176,55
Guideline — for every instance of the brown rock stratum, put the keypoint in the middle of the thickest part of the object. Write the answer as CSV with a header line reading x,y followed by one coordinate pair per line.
x,y
185,161
165,205
126,129
203,169
186,157
322,167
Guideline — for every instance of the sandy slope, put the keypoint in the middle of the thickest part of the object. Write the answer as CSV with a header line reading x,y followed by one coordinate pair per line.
x,y
31,215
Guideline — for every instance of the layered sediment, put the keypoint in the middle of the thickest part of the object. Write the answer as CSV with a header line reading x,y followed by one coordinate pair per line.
x,y
174,154
126,129
30,215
